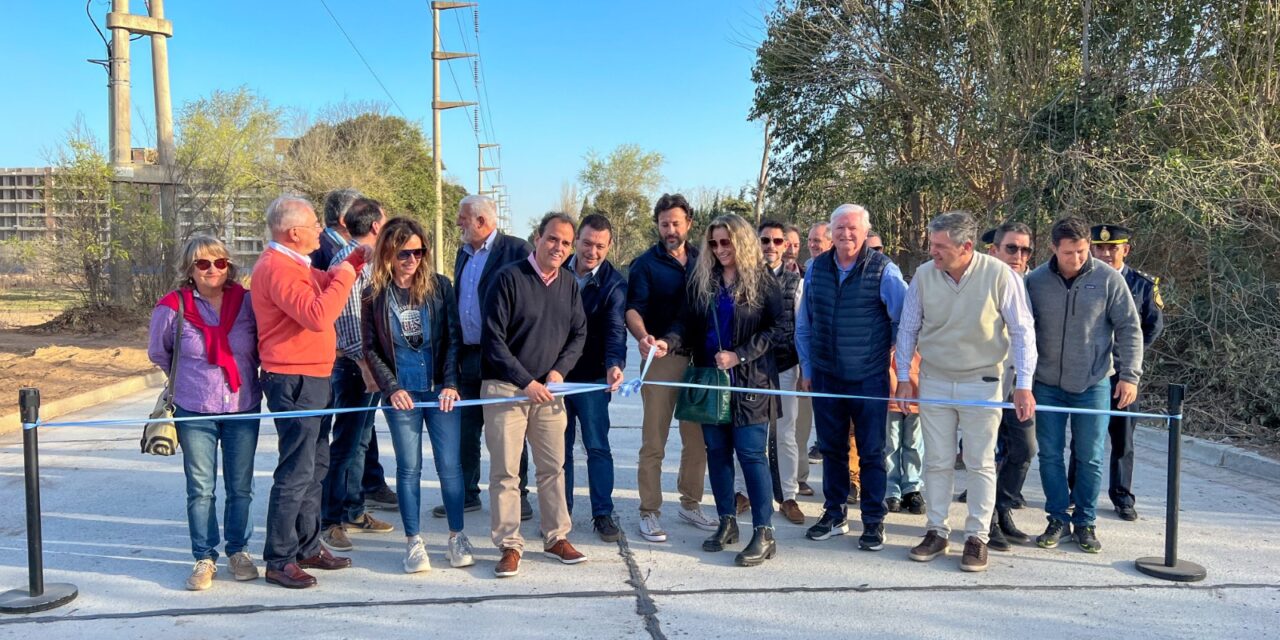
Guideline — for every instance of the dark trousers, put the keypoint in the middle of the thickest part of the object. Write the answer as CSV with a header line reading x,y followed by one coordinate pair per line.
x,y
832,418
1016,444
1120,432
591,411
293,510
343,493
375,478
473,428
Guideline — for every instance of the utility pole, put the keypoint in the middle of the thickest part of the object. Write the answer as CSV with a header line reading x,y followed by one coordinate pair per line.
x,y
763,184
480,168
164,121
437,54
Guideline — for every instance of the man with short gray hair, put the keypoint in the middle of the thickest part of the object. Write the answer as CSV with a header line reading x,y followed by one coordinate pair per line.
x,y
296,306
844,329
964,312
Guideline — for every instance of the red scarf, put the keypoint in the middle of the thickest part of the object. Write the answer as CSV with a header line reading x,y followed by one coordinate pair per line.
x,y
216,341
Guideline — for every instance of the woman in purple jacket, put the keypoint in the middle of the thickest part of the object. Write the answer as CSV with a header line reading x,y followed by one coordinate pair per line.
x,y
215,378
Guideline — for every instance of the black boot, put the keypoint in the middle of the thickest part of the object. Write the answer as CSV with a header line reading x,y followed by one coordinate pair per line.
x,y
761,548
726,534
996,540
1011,531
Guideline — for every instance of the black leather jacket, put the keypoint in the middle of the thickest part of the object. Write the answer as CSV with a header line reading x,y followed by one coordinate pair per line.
x,y
755,336
446,337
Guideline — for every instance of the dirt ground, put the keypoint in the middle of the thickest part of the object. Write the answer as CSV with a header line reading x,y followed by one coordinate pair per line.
x,y
67,364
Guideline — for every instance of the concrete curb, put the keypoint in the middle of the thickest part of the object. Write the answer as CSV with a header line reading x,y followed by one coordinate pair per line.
x,y
1211,453
48,410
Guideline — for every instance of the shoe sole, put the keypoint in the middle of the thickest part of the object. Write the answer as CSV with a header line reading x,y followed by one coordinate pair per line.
x,y
305,585
334,547
569,561
355,528
506,574
973,568
654,537
463,563
929,557
879,546
1047,545
742,562
245,577
1005,549
422,569
835,531
198,587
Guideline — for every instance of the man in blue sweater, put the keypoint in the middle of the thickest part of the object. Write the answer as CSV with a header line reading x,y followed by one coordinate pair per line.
x,y
534,331
604,300
1084,313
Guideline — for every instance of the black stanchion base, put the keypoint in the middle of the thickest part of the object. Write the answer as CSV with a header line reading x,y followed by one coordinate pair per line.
x,y
1181,571
55,595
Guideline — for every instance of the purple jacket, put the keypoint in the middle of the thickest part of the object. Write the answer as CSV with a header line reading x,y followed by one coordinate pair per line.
x,y
199,386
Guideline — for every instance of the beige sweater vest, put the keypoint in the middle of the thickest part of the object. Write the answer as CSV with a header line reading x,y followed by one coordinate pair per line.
x,y
963,336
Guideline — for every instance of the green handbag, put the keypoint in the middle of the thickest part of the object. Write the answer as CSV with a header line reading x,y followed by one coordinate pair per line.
x,y
705,406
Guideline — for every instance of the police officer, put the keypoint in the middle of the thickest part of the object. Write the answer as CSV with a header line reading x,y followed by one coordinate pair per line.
x,y
1111,244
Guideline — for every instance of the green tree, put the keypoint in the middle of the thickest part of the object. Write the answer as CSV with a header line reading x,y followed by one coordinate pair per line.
x,y
621,186
84,203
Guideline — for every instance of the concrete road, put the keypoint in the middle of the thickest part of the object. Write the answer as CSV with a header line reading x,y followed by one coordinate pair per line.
x,y
114,524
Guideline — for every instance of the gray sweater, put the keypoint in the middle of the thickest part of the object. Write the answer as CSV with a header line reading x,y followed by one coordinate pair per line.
x,y
1078,328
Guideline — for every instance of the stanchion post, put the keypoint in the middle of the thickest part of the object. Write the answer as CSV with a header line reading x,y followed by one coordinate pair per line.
x,y
38,596
1170,567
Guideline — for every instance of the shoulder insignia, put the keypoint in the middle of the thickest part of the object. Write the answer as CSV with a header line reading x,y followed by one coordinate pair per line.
x,y
1155,292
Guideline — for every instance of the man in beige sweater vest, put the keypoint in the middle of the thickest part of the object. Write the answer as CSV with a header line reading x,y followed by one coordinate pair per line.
x,y
965,312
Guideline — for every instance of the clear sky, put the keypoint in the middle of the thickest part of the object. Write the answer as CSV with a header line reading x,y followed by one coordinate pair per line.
x,y
562,78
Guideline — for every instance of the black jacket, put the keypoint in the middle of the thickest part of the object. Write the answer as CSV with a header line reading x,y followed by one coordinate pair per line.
x,y
446,337
755,335
655,286
604,298
505,250
784,355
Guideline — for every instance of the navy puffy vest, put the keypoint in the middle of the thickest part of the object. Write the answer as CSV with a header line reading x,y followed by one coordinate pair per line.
x,y
850,317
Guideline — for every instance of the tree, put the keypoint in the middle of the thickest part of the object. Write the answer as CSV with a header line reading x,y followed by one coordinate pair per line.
x,y
81,193
621,186
385,157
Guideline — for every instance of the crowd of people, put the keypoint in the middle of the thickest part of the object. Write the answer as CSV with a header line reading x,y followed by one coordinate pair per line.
x,y
349,314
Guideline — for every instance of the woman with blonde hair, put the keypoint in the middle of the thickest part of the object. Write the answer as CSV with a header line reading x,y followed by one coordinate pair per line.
x,y
216,375
412,335
731,320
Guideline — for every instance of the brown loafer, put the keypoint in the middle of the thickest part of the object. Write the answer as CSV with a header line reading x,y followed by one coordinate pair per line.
x,y
325,561
291,577
805,489
565,552
509,565
791,511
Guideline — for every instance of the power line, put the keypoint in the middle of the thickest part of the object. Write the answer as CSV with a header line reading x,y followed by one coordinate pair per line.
x,y
362,59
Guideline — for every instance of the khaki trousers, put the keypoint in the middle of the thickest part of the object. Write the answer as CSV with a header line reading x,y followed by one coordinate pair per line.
x,y
659,408
979,427
506,428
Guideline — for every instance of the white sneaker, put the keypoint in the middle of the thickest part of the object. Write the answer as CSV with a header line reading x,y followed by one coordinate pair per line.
x,y
651,528
459,551
697,518
415,557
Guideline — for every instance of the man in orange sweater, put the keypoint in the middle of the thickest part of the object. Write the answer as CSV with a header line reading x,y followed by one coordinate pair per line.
x,y
296,306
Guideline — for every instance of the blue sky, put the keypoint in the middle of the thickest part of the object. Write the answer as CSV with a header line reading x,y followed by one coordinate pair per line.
x,y
562,78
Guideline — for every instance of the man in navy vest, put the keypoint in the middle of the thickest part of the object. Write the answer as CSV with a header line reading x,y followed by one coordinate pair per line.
x,y
845,328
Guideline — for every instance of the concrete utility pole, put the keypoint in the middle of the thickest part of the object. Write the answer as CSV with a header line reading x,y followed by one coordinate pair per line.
x,y
164,121
480,168
437,54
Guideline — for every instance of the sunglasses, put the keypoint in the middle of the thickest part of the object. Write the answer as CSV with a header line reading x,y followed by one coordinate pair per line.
x,y
405,254
1013,248
221,263
880,249
777,242
723,243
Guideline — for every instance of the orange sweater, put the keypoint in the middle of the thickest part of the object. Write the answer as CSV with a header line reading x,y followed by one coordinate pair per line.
x,y
296,307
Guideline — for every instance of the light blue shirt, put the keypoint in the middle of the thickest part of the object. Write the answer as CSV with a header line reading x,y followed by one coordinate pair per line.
x,y
469,290
893,290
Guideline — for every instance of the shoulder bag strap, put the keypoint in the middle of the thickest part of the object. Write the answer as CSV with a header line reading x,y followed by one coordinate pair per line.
x,y
177,348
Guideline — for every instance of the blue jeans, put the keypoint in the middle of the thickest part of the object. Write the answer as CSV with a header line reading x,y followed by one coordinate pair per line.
x,y
902,446
199,442
445,432
749,441
832,417
343,497
591,410
1088,438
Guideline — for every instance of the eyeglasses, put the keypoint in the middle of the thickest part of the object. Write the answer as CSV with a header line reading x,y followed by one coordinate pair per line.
x,y
777,242
1013,248
221,263
405,254
723,243
315,225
